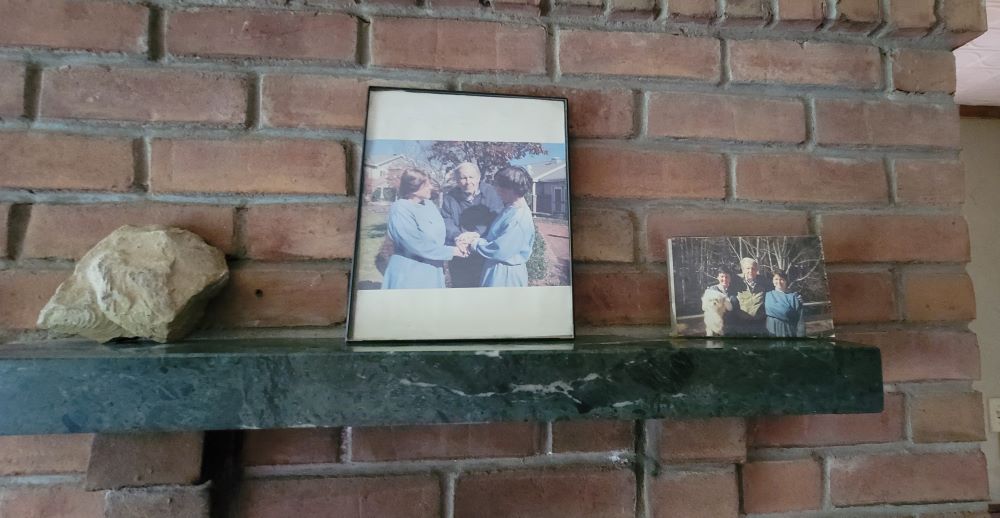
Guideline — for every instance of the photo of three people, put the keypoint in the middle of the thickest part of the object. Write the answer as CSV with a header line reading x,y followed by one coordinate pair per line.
x,y
432,223
787,296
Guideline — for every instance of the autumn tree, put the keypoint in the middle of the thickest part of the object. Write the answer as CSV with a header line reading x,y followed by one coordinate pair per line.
x,y
489,156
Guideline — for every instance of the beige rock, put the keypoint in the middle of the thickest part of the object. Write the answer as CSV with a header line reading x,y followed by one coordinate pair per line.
x,y
150,282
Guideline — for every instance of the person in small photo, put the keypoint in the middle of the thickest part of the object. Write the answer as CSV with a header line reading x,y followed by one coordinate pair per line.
x,y
418,233
784,309
750,288
471,206
718,305
508,242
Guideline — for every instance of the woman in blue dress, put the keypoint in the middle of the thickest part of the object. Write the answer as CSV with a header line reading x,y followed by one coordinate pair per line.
x,y
417,231
784,310
508,242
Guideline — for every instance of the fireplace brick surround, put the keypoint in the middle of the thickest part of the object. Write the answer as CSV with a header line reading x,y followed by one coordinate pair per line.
x,y
241,120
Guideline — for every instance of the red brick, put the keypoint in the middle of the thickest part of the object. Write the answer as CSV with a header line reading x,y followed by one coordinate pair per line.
x,y
639,54
52,161
154,459
829,429
11,89
315,101
694,494
274,232
948,417
801,14
463,441
603,235
685,10
882,123
4,217
808,63
68,231
915,70
907,478
155,95
857,15
625,172
662,225
457,45
727,117
168,502
270,34
592,113
748,13
931,297
544,494
69,24
863,238
360,497
911,17
23,293
721,440
930,182
782,486
806,178
570,436
922,355
601,298
42,501
250,166
291,446
261,297
964,20
862,297
40,454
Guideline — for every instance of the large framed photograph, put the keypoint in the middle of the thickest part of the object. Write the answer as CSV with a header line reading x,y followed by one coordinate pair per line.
x,y
463,219
749,286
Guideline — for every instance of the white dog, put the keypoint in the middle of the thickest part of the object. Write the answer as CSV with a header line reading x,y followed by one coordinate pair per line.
x,y
715,304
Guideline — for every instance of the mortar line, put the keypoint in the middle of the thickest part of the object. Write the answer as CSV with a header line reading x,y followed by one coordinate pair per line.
x,y
449,480
547,438
553,66
347,445
142,151
17,229
156,34
343,469
642,470
893,180
32,91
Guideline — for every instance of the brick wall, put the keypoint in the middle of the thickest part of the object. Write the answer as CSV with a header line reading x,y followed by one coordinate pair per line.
x,y
240,120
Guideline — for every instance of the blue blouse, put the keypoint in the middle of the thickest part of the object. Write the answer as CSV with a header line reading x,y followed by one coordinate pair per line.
x,y
507,246
784,314
417,231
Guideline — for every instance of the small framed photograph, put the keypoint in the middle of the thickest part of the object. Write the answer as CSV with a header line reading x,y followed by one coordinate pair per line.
x,y
463,219
749,286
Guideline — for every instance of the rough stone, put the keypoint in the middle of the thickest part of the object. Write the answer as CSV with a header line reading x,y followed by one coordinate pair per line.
x,y
149,282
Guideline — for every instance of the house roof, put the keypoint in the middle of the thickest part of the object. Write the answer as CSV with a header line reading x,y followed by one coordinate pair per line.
x,y
379,161
551,170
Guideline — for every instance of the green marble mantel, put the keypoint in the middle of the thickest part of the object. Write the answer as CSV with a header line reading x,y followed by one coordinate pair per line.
x,y
280,383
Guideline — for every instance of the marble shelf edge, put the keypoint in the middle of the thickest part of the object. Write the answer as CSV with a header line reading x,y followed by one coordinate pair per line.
x,y
295,383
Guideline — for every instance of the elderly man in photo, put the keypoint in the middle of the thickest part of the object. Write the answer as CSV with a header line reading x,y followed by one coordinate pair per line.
x,y
471,206
750,288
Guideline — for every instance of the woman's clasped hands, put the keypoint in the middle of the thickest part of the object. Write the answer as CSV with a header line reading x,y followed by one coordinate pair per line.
x,y
463,243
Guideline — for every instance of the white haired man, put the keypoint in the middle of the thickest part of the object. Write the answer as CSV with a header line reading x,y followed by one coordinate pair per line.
x,y
470,206
750,287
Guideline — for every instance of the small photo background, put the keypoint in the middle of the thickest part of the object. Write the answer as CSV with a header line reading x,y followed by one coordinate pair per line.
x,y
710,294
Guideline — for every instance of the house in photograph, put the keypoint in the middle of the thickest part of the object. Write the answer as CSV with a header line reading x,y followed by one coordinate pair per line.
x,y
550,191
382,177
